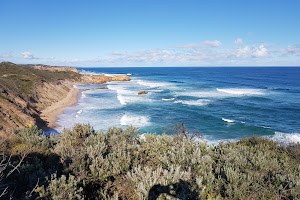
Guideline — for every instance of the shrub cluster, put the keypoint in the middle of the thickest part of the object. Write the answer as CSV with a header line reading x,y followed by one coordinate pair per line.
x,y
122,164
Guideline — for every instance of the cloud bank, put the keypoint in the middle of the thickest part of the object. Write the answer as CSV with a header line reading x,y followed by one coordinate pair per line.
x,y
207,53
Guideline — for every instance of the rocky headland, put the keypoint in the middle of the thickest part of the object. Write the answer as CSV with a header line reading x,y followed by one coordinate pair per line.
x,y
35,94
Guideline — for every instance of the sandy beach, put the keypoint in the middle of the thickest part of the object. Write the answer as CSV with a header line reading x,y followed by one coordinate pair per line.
x,y
51,112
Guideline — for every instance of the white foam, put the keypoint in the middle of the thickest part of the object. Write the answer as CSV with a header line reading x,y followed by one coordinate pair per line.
x,y
96,73
152,84
121,99
127,96
83,95
212,142
171,99
223,93
199,102
129,74
239,91
89,72
134,120
286,138
228,120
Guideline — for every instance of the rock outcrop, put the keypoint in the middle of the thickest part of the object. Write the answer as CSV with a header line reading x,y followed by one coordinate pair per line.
x,y
142,92
101,79
120,78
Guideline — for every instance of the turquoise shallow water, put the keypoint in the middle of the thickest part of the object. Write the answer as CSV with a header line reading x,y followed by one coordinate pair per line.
x,y
220,103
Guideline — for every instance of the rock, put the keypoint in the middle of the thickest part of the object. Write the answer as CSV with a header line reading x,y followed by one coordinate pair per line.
x,y
100,79
120,78
142,92
101,88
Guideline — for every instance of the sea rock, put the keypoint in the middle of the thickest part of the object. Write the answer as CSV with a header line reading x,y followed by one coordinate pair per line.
x,y
142,92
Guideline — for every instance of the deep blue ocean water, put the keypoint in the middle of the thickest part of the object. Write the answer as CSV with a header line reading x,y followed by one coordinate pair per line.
x,y
221,103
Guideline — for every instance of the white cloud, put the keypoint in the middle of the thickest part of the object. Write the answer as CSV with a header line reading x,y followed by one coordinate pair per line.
x,y
214,43
194,54
6,55
28,55
192,45
116,53
260,51
243,51
238,41
295,49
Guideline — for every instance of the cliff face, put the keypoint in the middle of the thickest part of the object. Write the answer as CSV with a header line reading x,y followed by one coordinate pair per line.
x,y
17,111
25,90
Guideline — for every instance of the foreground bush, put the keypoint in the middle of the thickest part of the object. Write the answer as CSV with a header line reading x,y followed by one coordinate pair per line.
x,y
120,164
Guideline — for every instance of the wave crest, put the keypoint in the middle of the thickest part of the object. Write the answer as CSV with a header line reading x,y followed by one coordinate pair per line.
x,y
199,102
134,120
238,91
286,138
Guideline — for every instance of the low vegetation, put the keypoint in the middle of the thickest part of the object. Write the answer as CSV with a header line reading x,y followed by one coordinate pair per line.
x,y
121,164
21,80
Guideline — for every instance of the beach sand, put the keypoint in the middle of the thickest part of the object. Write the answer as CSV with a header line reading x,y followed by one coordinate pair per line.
x,y
50,113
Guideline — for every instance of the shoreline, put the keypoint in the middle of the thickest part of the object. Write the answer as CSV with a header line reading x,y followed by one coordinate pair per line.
x,y
50,113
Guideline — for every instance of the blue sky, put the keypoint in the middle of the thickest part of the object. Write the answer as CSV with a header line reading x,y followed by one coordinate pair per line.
x,y
151,33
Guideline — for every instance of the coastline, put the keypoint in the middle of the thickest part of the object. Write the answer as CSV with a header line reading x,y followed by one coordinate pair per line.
x,y
50,113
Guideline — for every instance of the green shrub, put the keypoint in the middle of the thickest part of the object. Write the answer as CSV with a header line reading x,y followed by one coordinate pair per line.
x,y
62,188
35,137
120,164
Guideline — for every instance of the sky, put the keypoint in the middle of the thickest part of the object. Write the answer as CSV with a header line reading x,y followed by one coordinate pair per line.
x,y
153,33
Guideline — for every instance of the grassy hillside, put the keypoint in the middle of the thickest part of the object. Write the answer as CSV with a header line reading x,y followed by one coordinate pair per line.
x,y
22,79
22,94
119,164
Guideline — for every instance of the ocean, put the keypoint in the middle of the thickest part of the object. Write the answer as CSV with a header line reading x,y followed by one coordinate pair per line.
x,y
220,103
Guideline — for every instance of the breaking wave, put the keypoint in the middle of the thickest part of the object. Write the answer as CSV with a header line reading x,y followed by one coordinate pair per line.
x,y
238,91
134,120
152,84
199,102
286,138
228,120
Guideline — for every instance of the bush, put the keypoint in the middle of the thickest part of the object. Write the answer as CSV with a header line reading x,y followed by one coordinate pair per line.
x,y
35,137
120,164
62,188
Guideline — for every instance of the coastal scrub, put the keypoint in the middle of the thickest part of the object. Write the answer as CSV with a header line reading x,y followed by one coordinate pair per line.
x,y
82,163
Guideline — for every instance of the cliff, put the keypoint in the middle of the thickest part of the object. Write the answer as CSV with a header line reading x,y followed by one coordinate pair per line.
x,y
26,90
